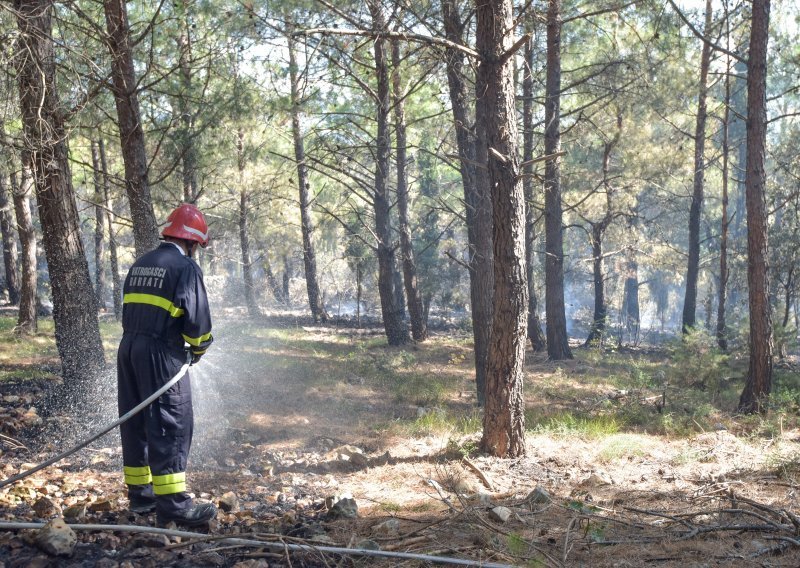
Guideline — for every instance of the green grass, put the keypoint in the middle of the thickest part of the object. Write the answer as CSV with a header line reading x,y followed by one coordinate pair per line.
x,y
566,424
619,446
602,394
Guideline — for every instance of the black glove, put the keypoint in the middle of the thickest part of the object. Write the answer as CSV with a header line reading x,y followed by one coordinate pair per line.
x,y
195,358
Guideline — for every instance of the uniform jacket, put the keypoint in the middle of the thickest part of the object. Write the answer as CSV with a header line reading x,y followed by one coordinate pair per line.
x,y
164,297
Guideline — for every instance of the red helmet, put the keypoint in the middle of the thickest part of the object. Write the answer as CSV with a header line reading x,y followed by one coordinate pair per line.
x,y
187,222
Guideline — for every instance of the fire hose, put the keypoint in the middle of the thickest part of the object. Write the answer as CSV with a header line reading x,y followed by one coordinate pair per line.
x,y
122,419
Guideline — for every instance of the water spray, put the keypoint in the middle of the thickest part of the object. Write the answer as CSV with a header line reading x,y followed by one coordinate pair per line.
x,y
122,419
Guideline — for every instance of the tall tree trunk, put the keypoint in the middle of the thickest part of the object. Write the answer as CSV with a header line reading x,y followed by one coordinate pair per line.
x,y
759,377
483,260
630,307
315,302
359,292
695,211
557,339
476,209
131,134
396,332
535,334
419,329
598,329
244,233
186,133
504,416
26,318
274,286
10,256
721,331
598,232
287,277
74,308
116,283
99,222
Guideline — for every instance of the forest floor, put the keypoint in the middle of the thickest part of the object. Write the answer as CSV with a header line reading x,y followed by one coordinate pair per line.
x,y
323,436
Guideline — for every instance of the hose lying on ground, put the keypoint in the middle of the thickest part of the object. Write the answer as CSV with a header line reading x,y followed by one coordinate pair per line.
x,y
276,546
130,414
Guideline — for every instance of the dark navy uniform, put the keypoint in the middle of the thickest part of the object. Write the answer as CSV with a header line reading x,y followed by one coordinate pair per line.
x,y
165,306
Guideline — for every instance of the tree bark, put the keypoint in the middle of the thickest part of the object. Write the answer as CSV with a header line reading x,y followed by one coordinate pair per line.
x,y
396,332
557,339
315,302
99,222
504,415
478,233
116,283
272,281
10,255
598,329
599,228
695,211
419,328
27,323
74,307
630,302
535,334
759,377
134,154
186,132
244,233
721,331
484,250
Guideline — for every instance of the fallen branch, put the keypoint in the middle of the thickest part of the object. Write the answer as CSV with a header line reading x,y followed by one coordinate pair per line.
x,y
479,473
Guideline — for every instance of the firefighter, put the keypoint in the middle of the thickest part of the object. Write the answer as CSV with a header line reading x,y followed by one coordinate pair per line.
x,y
164,308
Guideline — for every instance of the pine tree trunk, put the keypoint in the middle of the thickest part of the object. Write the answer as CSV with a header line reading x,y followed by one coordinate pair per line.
x,y
504,415
535,334
10,255
186,132
287,277
315,302
116,283
695,211
721,331
99,222
394,326
74,307
557,339
483,261
244,233
26,318
274,286
759,377
134,154
598,329
419,329
480,286
630,300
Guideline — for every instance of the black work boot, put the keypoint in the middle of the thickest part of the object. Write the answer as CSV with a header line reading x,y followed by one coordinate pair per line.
x,y
141,499
192,517
142,506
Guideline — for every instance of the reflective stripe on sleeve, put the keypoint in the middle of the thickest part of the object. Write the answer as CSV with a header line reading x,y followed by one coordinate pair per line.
x,y
196,341
137,475
169,483
153,300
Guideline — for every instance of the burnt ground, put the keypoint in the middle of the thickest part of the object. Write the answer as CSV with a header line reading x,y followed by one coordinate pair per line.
x,y
290,423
